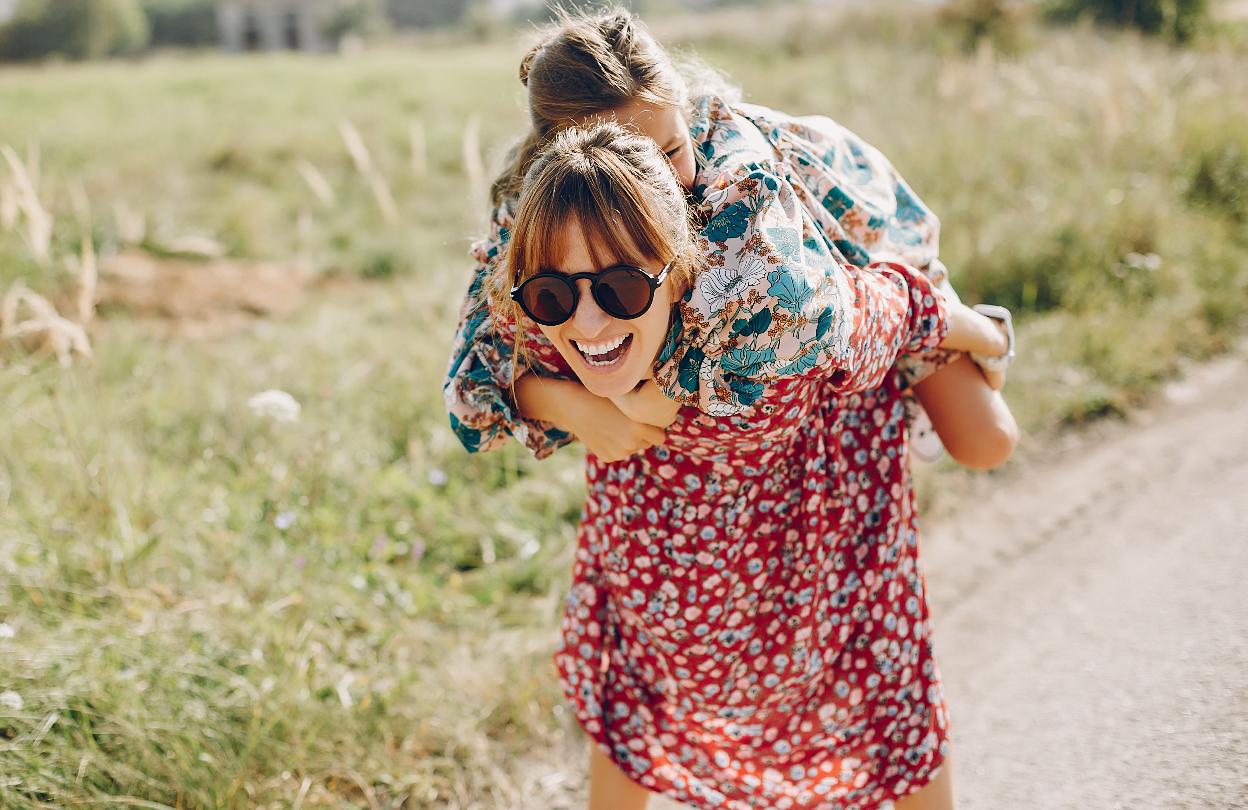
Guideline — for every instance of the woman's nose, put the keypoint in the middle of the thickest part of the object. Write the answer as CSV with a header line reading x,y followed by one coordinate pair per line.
x,y
589,320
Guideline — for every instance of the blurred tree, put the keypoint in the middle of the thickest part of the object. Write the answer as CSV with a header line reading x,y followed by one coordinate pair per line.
x,y
998,22
427,13
182,22
76,29
1178,19
361,18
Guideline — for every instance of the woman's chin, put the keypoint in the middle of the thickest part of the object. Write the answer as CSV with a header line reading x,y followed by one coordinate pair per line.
x,y
611,382
614,385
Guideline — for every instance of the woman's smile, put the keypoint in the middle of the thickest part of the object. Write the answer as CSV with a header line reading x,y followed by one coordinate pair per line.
x,y
604,354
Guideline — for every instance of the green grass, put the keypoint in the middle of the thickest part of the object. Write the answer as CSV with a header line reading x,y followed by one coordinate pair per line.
x,y
212,610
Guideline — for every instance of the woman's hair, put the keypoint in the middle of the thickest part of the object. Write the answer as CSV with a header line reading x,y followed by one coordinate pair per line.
x,y
618,188
587,63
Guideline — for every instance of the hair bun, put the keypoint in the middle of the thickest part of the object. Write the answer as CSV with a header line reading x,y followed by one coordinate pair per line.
x,y
526,64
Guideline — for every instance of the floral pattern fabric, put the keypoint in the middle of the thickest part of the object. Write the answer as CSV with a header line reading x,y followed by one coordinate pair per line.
x,y
865,209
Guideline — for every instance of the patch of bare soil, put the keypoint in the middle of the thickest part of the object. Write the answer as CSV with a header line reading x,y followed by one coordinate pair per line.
x,y
201,296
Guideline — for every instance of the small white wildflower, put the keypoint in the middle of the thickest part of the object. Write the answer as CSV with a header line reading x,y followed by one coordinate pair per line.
x,y
284,520
6,630
11,700
276,405
437,477
1143,261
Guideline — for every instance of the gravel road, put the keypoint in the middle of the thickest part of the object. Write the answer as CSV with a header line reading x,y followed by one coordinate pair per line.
x,y
1092,616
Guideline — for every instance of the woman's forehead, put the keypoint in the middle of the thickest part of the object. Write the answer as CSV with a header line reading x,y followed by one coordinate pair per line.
x,y
578,247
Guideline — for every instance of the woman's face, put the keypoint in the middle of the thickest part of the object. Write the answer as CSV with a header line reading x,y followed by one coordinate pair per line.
x,y
665,126
609,355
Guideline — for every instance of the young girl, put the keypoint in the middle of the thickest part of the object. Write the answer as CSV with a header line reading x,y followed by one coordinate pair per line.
x,y
606,66
747,626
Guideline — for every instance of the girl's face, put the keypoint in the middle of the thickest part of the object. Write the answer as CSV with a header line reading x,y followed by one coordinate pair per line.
x,y
609,355
665,126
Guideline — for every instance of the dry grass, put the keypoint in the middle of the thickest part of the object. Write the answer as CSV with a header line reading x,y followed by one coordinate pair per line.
x,y
23,191
363,161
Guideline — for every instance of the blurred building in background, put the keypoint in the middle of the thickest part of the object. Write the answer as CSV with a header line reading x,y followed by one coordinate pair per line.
x,y
274,25
7,9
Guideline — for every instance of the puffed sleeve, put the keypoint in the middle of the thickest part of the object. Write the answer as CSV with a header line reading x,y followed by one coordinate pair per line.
x,y
777,300
479,377
874,213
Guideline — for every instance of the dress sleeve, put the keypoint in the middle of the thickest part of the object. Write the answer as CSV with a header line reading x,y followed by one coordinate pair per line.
x,y
777,300
481,372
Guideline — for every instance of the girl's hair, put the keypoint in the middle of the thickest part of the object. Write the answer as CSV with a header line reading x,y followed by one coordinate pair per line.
x,y
586,63
618,188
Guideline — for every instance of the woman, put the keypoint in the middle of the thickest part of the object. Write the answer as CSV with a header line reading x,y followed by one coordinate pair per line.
x,y
605,66
746,626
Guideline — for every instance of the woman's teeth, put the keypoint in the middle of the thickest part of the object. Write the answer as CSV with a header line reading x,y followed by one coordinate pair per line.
x,y
603,354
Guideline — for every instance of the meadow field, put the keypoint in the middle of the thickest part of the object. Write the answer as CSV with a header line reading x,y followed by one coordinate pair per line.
x,y
205,605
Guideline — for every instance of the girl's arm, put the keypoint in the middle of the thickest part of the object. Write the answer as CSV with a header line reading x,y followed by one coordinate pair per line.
x,y
971,332
601,426
970,417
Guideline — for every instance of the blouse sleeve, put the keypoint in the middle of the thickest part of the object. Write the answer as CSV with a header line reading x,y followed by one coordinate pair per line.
x,y
777,300
875,215
481,372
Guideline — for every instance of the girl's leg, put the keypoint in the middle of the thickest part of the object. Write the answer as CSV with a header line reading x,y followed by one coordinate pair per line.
x,y
935,795
609,788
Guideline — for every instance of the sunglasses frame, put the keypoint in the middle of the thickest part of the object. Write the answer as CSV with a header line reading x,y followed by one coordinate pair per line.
x,y
654,282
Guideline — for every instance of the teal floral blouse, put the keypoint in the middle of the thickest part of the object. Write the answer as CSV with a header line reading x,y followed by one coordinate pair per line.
x,y
787,204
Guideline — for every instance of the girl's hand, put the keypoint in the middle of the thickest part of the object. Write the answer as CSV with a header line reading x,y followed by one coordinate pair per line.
x,y
647,404
597,423
971,332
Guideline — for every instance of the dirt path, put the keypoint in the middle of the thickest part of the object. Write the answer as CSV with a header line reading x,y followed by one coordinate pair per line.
x,y
1092,616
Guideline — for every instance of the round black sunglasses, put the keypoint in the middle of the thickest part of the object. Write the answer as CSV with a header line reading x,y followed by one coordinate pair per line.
x,y
622,291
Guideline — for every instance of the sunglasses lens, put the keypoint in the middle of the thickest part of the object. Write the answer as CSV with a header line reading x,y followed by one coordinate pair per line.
x,y
548,301
623,292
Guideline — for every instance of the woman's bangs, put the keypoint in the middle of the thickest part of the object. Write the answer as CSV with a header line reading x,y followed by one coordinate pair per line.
x,y
619,223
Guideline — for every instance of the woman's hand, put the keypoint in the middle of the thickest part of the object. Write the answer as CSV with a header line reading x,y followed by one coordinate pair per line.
x,y
596,422
647,404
